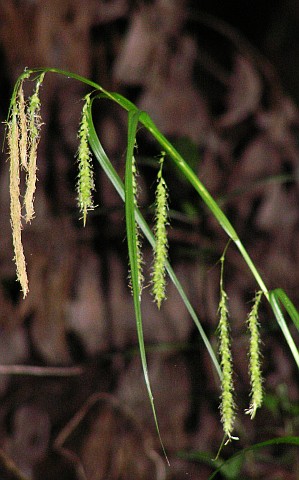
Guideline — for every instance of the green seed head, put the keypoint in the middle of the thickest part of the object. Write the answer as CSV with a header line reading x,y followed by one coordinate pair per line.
x,y
85,182
33,131
138,232
161,245
255,373
227,406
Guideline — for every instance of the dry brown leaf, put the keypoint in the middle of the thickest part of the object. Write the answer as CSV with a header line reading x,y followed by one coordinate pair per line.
x,y
144,45
87,311
170,381
172,100
50,277
244,93
30,437
106,437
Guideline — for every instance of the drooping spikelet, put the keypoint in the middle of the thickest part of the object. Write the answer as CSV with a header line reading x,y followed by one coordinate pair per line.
x,y
227,406
34,125
256,380
13,136
22,122
85,183
161,245
138,232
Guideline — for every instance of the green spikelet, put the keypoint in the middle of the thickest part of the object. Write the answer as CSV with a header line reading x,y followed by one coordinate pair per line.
x,y
85,183
161,246
34,126
227,406
256,380
138,233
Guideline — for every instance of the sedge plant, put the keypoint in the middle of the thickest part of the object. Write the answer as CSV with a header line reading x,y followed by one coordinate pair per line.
x,y
23,133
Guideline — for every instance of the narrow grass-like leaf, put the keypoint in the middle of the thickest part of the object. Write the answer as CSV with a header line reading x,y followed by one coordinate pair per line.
x,y
274,297
134,254
230,469
113,176
273,441
280,294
